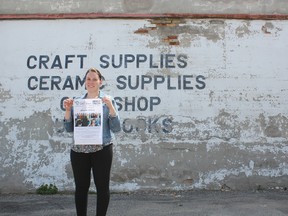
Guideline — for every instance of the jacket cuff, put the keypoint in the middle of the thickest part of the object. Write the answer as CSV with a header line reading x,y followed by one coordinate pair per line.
x,y
67,120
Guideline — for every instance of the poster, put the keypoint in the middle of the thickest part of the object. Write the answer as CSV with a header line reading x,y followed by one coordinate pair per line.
x,y
88,121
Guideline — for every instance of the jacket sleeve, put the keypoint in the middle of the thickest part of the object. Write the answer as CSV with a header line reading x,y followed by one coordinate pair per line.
x,y
114,121
69,124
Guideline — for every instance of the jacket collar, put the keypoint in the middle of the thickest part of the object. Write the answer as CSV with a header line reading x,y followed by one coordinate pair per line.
x,y
101,95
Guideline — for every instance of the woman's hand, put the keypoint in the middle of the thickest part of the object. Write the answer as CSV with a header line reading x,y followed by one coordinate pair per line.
x,y
108,101
68,103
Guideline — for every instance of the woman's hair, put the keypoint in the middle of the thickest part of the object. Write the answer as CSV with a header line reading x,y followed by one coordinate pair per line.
x,y
95,71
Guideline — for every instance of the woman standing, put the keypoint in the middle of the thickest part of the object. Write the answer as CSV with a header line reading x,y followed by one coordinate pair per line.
x,y
97,158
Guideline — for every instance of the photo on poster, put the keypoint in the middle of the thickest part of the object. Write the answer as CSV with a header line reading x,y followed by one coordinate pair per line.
x,y
88,121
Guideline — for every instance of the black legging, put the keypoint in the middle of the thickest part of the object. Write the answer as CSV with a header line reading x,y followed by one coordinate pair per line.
x,y
100,163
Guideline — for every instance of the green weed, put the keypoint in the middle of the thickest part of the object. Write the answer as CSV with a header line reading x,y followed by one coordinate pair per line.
x,y
46,189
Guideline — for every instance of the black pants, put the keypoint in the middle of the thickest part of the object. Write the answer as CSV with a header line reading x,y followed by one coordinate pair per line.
x,y
100,163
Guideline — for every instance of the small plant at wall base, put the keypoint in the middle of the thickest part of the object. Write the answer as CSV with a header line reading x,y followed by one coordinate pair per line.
x,y
47,189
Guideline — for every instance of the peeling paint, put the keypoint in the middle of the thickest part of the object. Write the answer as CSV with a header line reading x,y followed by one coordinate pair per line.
x,y
244,29
185,30
4,95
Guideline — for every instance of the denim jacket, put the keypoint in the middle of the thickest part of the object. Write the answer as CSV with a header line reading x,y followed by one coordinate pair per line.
x,y
109,124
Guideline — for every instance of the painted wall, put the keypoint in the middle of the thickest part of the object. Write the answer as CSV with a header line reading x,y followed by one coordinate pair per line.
x,y
203,103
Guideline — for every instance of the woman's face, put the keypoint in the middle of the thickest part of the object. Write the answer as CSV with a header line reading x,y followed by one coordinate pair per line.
x,y
92,82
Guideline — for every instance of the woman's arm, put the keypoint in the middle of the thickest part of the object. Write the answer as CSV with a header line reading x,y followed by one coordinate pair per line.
x,y
114,119
68,119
